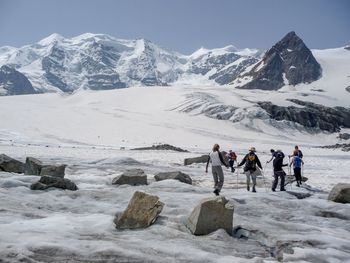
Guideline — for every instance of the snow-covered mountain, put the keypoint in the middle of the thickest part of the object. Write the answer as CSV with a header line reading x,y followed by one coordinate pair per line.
x,y
97,61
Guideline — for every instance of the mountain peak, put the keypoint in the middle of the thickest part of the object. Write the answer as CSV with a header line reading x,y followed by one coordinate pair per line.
x,y
51,39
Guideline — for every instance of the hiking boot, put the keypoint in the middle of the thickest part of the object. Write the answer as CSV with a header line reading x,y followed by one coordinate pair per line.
x,y
273,190
216,192
233,170
283,189
298,185
248,188
254,191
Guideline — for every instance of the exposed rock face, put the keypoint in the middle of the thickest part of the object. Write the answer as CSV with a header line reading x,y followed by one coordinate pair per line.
x,y
51,181
210,215
13,82
344,136
200,159
311,115
343,146
10,165
340,193
52,170
162,147
142,211
289,62
33,166
131,177
184,178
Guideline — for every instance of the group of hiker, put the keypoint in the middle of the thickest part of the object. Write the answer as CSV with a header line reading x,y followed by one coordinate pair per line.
x,y
251,162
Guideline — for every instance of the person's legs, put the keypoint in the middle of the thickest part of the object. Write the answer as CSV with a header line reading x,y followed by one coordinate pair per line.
x,y
275,181
231,162
254,181
247,173
220,179
215,176
282,174
297,173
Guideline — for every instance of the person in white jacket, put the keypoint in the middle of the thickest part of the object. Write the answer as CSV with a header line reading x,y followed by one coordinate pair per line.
x,y
216,159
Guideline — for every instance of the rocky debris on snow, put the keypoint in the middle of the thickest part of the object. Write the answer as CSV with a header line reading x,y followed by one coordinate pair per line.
x,y
200,159
344,136
343,146
52,181
331,214
291,179
240,232
347,88
299,195
14,82
10,165
131,177
347,47
288,62
210,215
182,177
166,147
340,193
311,115
142,211
36,167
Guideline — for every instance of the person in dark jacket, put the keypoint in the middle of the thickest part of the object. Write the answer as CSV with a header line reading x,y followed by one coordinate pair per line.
x,y
216,159
232,157
274,154
251,160
278,172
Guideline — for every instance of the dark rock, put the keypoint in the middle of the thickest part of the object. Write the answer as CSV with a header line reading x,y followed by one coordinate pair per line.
x,y
343,146
210,215
57,182
14,82
200,159
131,177
289,59
340,193
10,165
331,214
142,211
52,170
347,88
167,147
184,178
299,195
311,115
344,136
33,166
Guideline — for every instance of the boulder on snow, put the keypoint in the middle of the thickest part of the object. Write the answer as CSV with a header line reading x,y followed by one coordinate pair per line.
x,y
182,177
10,165
131,177
142,211
200,159
210,215
33,166
291,179
340,193
53,170
52,181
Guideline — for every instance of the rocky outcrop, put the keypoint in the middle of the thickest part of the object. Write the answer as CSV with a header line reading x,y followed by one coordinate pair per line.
x,y
166,147
340,193
33,166
210,215
344,136
288,62
142,211
200,159
56,182
184,178
10,165
311,115
13,82
53,170
343,146
131,177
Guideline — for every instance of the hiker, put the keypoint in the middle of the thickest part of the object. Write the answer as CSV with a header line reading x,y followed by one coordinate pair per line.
x,y
251,160
278,171
296,150
216,160
297,162
232,157
274,154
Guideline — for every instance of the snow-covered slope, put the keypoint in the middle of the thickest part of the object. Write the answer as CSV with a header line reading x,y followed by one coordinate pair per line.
x,y
97,61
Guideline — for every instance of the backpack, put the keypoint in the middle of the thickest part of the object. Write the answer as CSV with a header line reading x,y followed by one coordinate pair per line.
x,y
279,154
297,162
233,156
251,162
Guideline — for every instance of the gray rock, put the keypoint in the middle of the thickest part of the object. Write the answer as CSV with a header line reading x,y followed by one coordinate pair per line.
x,y
200,159
131,177
299,195
53,170
33,166
311,115
184,178
14,82
344,136
340,193
289,57
343,146
167,147
142,211
57,182
210,215
291,179
10,165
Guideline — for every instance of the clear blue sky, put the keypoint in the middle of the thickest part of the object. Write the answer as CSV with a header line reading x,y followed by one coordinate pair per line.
x,y
181,25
